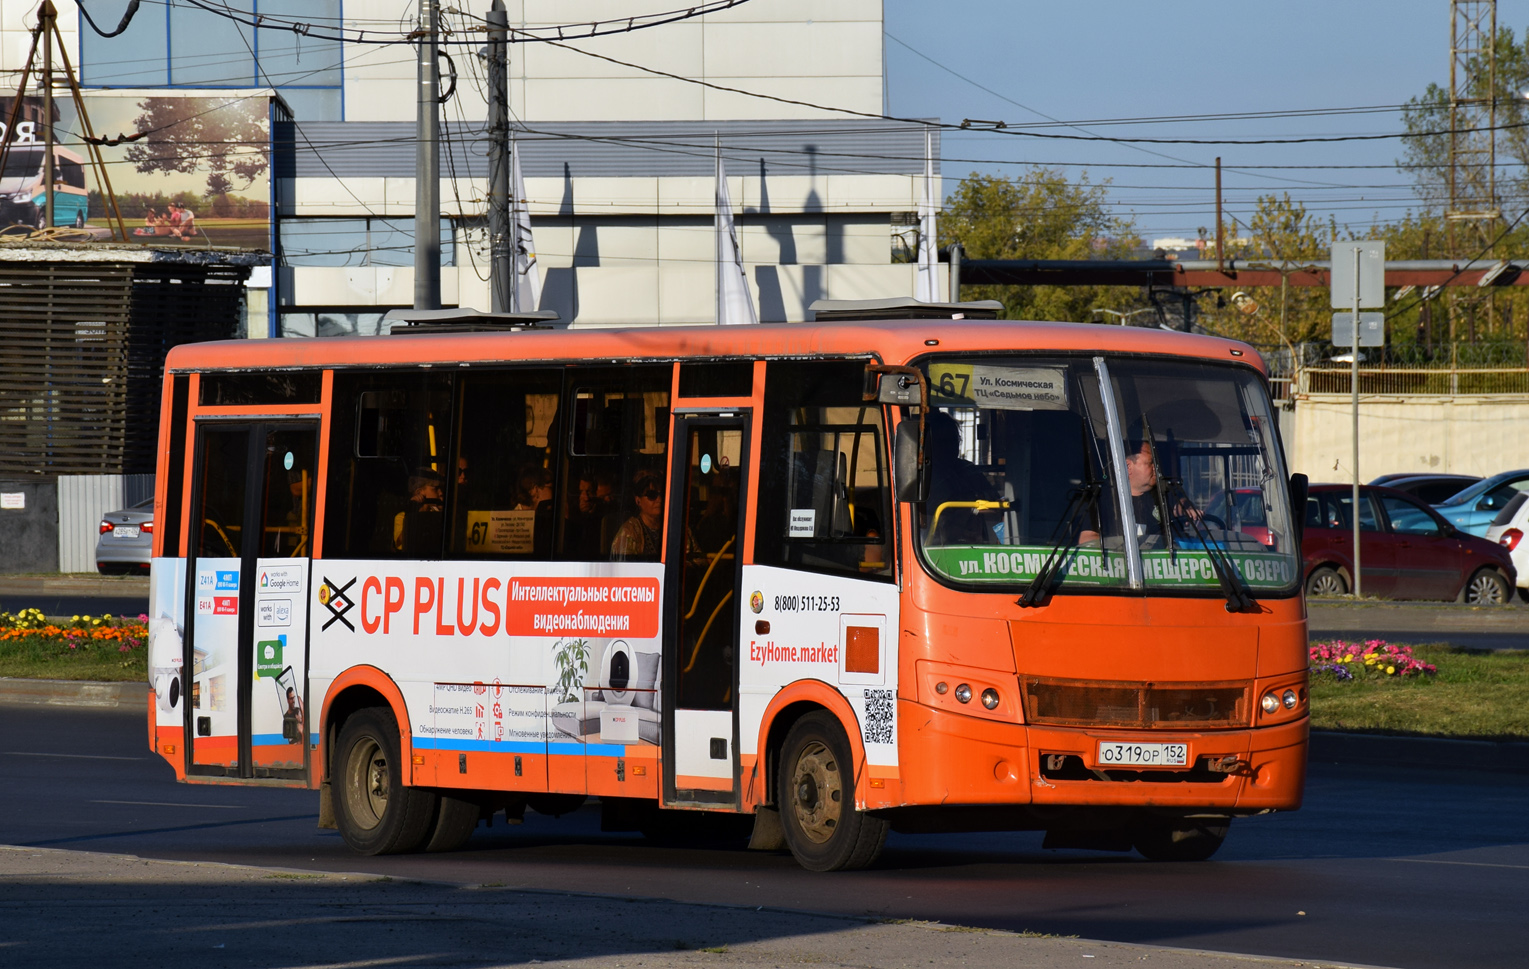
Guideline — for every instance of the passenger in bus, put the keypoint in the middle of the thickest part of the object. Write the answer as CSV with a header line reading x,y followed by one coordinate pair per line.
x,y
417,528
640,537
952,478
718,523
581,532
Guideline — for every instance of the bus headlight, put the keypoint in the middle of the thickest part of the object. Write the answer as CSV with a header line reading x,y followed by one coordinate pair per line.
x,y
1289,699
964,693
990,698
1270,703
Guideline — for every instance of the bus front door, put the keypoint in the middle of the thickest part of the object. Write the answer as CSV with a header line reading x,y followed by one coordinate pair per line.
x,y
254,488
704,556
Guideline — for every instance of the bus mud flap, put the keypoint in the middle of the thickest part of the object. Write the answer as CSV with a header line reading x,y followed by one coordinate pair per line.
x,y
768,834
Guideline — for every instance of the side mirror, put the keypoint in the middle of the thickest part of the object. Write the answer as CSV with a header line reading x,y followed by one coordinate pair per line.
x,y
1300,486
898,388
907,477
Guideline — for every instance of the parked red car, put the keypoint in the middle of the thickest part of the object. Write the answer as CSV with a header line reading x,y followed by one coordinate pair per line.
x,y
1407,550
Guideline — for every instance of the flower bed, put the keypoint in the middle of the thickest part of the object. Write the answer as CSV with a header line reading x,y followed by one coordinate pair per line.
x,y
1343,661
79,647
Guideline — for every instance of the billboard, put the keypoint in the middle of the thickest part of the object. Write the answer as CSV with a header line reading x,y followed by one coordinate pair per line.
x,y
187,167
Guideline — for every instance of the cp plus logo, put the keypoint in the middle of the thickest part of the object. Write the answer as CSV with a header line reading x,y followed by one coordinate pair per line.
x,y
333,598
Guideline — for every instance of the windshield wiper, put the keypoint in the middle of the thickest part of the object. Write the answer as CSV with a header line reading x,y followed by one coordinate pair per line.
x,y
1063,536
1238,597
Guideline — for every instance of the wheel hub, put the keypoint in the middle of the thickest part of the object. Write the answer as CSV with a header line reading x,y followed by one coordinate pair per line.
x,y
819,801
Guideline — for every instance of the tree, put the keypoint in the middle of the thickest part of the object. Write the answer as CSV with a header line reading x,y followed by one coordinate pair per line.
x,y
227,138
1284,237
1426,153
1040,215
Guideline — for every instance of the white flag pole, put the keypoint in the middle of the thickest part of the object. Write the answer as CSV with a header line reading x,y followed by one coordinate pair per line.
x,y
526,293
928,287
734,303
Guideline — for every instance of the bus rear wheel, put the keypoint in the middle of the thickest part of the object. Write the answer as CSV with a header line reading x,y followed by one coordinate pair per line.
x,y
816,792
1181,839
375,812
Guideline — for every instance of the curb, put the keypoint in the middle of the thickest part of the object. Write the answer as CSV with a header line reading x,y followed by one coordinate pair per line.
x,y
1327,746
70,693
1419,752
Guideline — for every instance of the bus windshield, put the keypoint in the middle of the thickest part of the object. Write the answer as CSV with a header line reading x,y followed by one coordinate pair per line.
x,y
22,161
1171,481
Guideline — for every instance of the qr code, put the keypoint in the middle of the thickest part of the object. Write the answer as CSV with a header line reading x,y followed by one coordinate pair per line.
x,y
878,717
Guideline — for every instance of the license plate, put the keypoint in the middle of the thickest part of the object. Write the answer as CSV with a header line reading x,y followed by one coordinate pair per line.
x,y
126,531
1115,754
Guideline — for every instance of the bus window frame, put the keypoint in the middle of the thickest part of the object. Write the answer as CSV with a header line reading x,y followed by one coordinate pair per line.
x,y
1116,452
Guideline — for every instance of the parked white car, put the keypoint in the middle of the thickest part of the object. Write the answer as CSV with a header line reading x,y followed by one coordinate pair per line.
x,y
1510,529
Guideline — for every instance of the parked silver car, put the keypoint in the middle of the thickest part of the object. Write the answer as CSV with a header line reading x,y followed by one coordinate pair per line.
x,y
126,540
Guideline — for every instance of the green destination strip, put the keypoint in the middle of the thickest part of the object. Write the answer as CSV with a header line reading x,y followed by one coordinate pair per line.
x,y
1093,567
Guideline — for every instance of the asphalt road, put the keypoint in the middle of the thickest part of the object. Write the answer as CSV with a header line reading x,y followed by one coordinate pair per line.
x,y
1384,866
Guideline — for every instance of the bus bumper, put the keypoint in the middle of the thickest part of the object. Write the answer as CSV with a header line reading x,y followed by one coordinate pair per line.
x,y
971,760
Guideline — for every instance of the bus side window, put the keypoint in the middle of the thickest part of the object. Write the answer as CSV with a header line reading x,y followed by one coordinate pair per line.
x,y
617,437
823,483
387,465
507,453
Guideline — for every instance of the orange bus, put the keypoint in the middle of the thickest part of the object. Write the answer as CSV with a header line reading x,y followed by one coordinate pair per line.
x,y
830,580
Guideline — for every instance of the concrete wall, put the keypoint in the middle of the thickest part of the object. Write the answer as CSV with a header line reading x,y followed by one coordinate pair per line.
x,y
1461,435
826,52
29,534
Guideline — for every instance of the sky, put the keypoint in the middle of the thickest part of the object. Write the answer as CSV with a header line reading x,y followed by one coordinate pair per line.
x,y
1092,60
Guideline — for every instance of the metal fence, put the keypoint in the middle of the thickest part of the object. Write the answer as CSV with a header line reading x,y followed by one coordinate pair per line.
x,y
1439,369
82,500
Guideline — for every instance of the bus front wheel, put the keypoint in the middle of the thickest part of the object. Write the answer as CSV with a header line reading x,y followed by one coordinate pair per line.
x,y
816,793
1182,839
376,813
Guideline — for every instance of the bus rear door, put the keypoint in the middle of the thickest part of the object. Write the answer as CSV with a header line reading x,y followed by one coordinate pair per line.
x,y
703,582
247,582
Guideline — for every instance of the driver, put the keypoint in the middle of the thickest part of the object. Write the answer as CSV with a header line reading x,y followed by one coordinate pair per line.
x,y
1141,476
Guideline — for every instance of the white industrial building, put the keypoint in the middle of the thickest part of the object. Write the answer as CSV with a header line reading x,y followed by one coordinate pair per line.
x,y
618,161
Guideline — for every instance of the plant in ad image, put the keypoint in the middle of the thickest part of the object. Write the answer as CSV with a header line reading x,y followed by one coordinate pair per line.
x,y
572,658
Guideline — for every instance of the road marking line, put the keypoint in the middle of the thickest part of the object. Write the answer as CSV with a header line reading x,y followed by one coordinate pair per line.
x,y
226,807
36,753
1468,864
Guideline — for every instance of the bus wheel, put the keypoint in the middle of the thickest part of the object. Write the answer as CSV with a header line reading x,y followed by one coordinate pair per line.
x,y
455,822
376,813
816,794
1184,839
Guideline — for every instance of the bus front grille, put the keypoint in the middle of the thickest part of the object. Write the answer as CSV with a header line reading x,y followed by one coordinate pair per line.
x,y
1136,705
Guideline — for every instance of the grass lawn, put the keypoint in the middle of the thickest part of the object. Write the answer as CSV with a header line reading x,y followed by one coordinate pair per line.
x,y
1477,694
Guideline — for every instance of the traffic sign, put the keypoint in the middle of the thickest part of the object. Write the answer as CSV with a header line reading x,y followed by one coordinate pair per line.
x,y
1372,329
1372,275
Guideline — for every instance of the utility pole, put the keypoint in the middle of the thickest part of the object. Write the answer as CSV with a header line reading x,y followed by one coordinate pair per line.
x,y
48,174
501,272
427,166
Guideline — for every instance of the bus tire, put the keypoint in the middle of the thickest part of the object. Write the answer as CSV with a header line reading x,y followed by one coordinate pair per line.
x,y
455,822
376,813
1180,839
816,795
